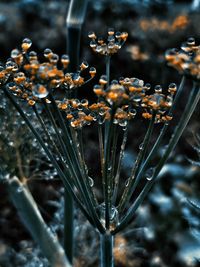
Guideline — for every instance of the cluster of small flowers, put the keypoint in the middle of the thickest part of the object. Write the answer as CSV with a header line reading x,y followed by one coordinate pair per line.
x,y
78,113
124,97
111,46
186,60
127,94
31,80
159,104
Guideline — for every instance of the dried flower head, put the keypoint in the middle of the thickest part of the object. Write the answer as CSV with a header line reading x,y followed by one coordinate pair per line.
x,y
32,80
124,97
186,60
158,104
114,42
28,78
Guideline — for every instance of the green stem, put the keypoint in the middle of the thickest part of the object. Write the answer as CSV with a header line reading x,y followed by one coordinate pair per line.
x,y
74,35
75,19
107,169
108,70
119,165
31,217
106,243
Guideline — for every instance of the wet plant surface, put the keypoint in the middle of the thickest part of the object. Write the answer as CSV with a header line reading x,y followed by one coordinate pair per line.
x,y
165,229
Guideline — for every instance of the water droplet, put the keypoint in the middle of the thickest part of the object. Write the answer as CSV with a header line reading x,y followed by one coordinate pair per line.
x,y
91,35
109,168
114,216
11,143
26,44
54,58
141,146
127,182
149,174
124,128
40,91
137,98
65,59
93,44
19,189
47,52
132,112
101,120
98,49
102,112
123,123
111,45
158,89
15,53
91,182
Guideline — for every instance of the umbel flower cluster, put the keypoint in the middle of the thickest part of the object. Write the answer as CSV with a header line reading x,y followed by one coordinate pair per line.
x,y
47,88
33,81
114,42
187,59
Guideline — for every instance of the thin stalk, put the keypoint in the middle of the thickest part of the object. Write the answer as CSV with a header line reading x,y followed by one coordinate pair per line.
x,y
58,134
119,165
31,217
106,247
86,182
108,58
107,169
162,133
69,225
64,150
113,160
80,138
107,144
74,157
70,169
131,180
44,128
66,135
101,151
75,19
189,109
108,70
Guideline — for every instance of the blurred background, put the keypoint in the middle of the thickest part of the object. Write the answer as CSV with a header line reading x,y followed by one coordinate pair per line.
x,y
166,229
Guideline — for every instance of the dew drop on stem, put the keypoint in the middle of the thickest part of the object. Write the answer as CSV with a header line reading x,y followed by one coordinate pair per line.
x,y
149,174
114,216
141,146
91,182
127,182
19,189
109,168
